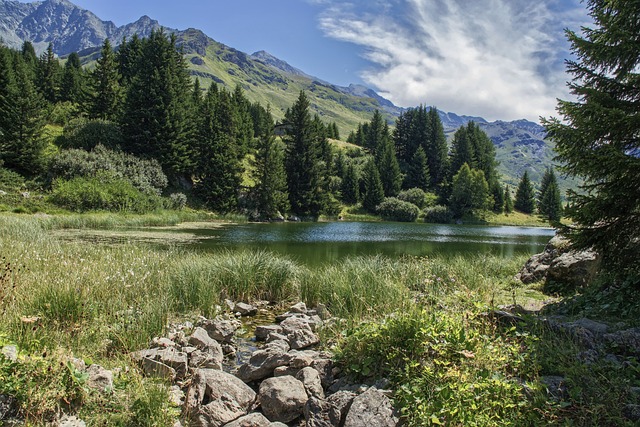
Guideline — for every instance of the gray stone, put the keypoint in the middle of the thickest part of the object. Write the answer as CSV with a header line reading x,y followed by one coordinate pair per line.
x,y
317,413
201,359
262,332
176,396
298,308
310,378
175,359
591,325
245,309
153,368
371,409
252,420
100,379
222,330
71,421
282,399
10,352
200,338
273,336
216,398
264,361
625,342
281,371
325,368
340,404
9,407
631,412
322,311
299,333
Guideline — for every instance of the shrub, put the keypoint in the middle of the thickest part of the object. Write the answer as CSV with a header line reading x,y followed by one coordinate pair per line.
x,y
438,215
177,201
10,180
145,175
393,209
102,192
88,134
414,195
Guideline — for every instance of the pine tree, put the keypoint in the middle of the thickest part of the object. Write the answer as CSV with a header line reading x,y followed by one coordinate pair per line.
x,y
508,201
107,95
597,138
525,199
127,58
373,191
436,148
497,197
270,191
49,73
461,151
470,191
72,86
376,134
389,170
549,202
418,171
305,171
350,185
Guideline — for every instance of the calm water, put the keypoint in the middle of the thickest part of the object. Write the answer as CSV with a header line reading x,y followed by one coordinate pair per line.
x,y
318,243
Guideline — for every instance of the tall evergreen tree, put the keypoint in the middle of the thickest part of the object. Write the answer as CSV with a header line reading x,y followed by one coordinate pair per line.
x,y
470,191
107,95
389,169
270,191
461,151
305,171
436,148
73,80
497,196
549,201
373,191
128,58
157,120
376,134
350,185
508,201
597,138
418,171
525,198
49,73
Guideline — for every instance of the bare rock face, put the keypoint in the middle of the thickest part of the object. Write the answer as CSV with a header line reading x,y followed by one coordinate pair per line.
x,y
371,409
282,398
217,398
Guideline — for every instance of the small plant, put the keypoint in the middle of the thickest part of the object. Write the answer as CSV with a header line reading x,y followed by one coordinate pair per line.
x,y
177,201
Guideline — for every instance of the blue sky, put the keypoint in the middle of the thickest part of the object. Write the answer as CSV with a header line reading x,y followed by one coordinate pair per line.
x,y
500,59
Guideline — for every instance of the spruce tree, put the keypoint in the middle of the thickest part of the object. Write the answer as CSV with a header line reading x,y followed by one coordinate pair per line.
x,y
107,95
597,137
525,199
497,197
376,134
72,86
270,192
350,185
436,148
461,151
305,171
508,201
389,170
373,191
49,73
418,171
549,202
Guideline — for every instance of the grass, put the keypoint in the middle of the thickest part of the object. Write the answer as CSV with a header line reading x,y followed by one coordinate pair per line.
x,y
417,321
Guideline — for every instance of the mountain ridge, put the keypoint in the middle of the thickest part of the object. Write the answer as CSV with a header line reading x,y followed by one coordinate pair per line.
x,y
266,79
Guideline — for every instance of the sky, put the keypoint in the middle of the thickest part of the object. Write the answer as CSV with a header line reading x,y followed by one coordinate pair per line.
x,y
499,59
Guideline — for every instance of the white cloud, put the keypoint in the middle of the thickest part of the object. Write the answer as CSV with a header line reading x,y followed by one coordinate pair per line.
x,y
500,59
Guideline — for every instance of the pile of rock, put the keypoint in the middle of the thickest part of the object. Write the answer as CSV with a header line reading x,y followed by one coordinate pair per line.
x,y
283,381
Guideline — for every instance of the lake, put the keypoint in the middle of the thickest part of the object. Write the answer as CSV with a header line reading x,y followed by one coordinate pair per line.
x,y
319,243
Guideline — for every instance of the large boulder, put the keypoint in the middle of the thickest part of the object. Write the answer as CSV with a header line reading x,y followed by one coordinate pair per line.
x,y
216,398
310,378
371,409
282,399
221,330
263,362
252,420
299,333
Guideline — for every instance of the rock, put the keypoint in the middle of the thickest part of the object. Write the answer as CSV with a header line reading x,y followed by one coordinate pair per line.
x,y
9,407
299,333
277,337
631,412
200,359
310,378
371,409
302,359
10,352
325,369
556,388
168,363
298,308
282,399
591,325
200,339
626,342
322,312
222,330
281,371
340,404
175,359
264,361
216,398
163,342
176,396
245,309
100,379
71,421
252,420
262,332
317,413
153,368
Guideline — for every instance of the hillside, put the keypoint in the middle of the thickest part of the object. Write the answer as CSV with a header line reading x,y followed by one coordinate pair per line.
x,y
266,79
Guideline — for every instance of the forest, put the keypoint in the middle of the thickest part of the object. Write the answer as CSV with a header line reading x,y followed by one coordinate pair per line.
x,y
135,133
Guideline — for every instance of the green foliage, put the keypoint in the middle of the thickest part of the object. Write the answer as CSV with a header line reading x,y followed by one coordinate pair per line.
x,y
350,185
86,134
152,407
102,192
418,171
438,215
145,175
508,201
470,191
596,137
393,209
549,203
525,199
177,201
373,190
389,169
418,197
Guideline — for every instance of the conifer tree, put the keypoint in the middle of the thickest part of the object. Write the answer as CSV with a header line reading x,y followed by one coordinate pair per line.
x,y
270,191
597,138
107,95
350,185
549,202
305,171
436,148
508,201
376,134
127,58
470,191
373,191
418,171
525,199
72,86
497,196
461,151
49,73
389,169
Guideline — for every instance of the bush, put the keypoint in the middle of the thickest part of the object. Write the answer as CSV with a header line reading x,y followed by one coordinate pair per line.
x,y
145,175
438,215
418,197
102,192
177,201
88,134
393,209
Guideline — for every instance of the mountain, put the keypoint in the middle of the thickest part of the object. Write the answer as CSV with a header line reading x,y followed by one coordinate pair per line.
x,y
520,145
